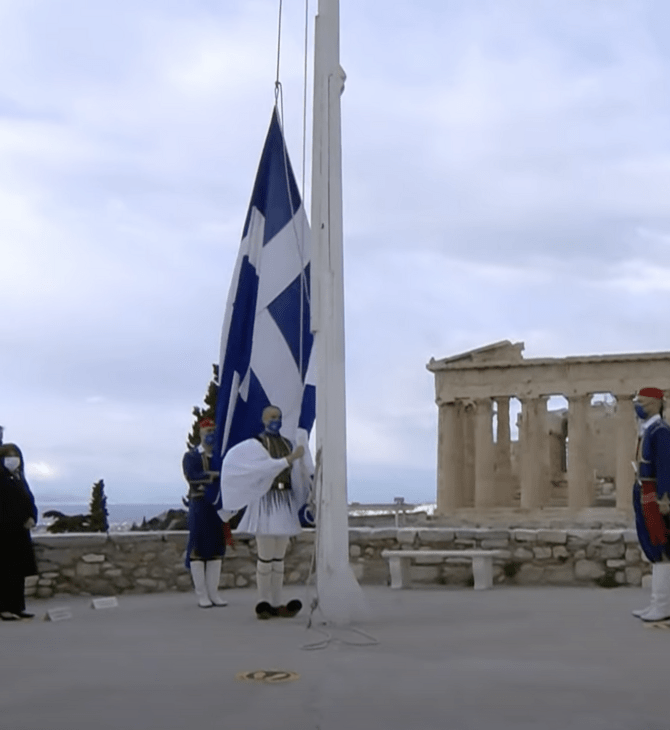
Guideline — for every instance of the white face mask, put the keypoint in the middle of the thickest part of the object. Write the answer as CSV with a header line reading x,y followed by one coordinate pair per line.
x,y
12,463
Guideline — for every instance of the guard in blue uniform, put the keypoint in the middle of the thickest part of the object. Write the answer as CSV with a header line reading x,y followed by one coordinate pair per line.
x,y
651,498
207,533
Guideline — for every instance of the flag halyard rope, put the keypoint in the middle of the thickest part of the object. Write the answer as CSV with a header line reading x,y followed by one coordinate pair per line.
x,y
279,105
278,46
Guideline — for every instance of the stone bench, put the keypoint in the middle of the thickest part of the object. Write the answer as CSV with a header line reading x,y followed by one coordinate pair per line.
x,y
482,564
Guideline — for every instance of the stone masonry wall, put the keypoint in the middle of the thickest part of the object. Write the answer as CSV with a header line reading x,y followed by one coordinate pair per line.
x,y
100,564
537,556
146,562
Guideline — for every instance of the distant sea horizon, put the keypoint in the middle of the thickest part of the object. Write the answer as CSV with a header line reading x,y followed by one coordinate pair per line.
x,y
127,513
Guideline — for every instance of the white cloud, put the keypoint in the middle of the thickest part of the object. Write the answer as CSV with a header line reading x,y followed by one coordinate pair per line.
x,y
39,471
506,169
640,278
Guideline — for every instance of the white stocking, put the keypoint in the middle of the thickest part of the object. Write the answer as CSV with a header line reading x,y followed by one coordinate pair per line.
x,y
270,567
212,576
277,582
198,575
660,593
264,580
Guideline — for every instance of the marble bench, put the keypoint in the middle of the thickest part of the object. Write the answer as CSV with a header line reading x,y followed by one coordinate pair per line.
x,y
482,564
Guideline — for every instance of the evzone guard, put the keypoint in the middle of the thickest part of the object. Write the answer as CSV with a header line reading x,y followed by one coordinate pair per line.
x,y
207,534
651,499
263,474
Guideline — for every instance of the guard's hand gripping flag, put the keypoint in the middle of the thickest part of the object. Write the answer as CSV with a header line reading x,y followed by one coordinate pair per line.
x,y
266,343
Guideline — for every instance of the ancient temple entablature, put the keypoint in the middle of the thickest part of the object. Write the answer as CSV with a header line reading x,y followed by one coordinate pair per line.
x,y
473,391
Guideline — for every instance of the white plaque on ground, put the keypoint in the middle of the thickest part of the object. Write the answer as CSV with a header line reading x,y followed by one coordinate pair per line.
x,y
110,602
58,614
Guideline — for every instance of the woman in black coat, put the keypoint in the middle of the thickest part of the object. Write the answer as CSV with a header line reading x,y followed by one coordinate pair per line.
x,y
18,515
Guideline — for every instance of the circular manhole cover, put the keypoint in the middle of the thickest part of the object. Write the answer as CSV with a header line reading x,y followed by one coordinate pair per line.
x,y
271,676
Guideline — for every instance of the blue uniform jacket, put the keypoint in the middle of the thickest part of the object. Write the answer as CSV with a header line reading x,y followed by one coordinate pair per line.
x,y
653,464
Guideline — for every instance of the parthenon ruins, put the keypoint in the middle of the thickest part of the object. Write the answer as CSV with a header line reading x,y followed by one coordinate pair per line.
x,y
557,461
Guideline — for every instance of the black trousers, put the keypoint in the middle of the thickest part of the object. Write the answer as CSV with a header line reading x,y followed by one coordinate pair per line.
x,y
12,592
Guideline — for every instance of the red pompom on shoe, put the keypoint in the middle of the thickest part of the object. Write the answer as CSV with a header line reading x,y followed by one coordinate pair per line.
x,y
652,515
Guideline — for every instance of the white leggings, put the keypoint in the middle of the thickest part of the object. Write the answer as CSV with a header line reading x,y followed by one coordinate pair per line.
x,y
270,567
271,547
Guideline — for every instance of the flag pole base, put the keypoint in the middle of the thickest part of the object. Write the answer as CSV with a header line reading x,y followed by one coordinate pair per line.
x,y
340,598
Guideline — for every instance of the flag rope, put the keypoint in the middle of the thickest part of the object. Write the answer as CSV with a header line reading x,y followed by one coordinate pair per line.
x,y
314,603
304,294
279,105
278,43
304,103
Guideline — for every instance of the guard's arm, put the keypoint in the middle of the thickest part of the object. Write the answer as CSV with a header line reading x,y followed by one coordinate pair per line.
x,y
662,448
193,471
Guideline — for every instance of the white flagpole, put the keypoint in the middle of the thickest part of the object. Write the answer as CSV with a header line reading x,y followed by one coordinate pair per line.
x,y
339,596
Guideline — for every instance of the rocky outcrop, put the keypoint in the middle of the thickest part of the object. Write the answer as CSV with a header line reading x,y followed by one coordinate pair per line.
x,y
67,523
172,519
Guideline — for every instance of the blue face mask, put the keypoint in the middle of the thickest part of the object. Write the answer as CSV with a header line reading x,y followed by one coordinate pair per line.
x,y
640,412
210,439
274,426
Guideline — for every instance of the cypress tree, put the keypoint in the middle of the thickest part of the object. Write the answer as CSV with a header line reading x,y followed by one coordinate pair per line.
x,y
98,508
209,411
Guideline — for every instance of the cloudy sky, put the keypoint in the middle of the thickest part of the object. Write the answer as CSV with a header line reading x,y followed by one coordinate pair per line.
x,y
506,176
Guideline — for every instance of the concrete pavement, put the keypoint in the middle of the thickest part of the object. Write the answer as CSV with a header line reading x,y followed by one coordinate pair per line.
x,y
512,658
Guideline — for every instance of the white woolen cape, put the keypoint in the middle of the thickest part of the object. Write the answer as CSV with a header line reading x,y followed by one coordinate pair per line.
x,y
247,473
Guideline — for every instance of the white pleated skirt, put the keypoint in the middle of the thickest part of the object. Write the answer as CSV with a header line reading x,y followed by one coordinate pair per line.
x,y
267,517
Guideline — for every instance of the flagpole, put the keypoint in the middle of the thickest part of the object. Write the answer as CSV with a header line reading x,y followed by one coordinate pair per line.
x,y
339,596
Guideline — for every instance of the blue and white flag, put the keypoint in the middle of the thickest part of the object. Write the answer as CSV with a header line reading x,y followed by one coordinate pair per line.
x,y
266,342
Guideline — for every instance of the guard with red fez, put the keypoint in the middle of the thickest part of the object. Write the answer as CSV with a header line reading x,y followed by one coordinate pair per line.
x,y
651,498
207,533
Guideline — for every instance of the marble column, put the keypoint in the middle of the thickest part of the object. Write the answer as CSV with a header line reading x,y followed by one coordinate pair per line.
x,y
503,454
467,420
485,493
581,487
449,459
530,462
625,452
543,446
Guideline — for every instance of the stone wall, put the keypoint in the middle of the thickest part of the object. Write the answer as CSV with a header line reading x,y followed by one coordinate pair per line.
x,y
538,556
102,564
145,562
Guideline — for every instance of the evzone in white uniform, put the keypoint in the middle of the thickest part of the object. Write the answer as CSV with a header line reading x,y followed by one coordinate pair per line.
x,y
264,475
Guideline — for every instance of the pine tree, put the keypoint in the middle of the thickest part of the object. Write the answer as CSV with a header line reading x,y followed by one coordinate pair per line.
x,y
209,411
98,508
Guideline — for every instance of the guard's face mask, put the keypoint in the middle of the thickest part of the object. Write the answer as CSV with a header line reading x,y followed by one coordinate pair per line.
x,y
274,426
12,463
640,412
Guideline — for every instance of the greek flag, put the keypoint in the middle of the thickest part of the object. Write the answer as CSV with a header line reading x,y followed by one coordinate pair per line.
x,y
266,342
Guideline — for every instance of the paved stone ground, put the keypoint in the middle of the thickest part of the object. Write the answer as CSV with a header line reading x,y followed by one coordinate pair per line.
x,y
512,658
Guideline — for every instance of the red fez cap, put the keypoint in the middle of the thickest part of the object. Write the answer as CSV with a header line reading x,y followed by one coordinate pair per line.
x,y
652,393
207,423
